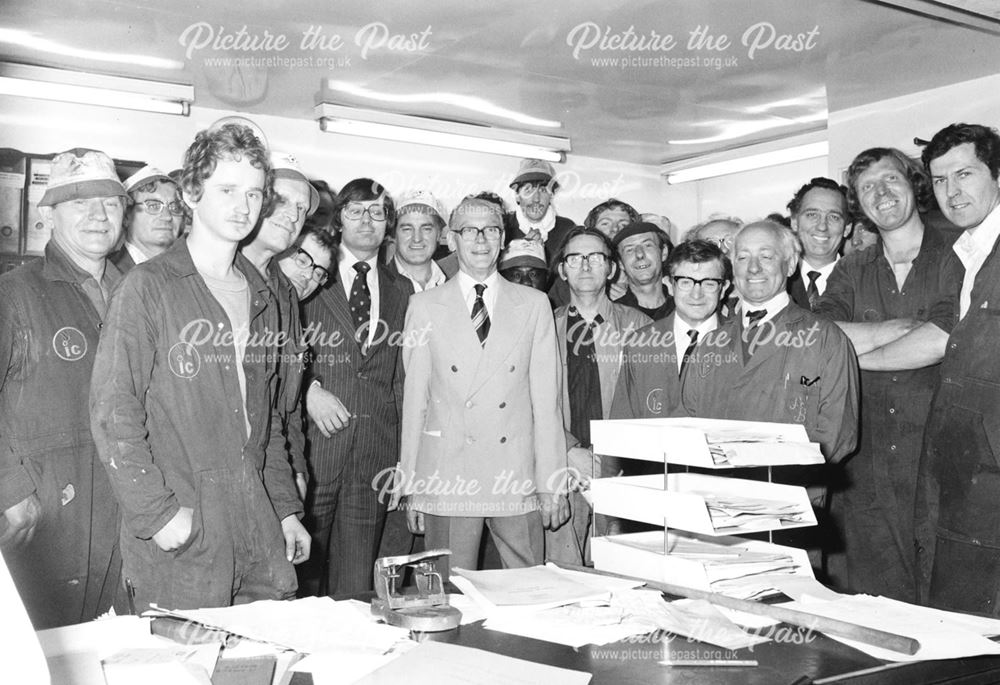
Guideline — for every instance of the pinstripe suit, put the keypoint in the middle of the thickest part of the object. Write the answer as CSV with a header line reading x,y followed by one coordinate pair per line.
x,y
343,511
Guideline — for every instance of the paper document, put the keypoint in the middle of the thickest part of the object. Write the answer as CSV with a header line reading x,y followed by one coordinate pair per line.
x,y
309,625
439,663
537,587
942,634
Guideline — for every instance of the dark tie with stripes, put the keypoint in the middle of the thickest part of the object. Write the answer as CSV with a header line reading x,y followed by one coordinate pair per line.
x,y
812,292
360,302
750,333
480,317
693,334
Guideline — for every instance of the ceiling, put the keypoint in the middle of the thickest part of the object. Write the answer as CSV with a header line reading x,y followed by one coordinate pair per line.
x,y
543,60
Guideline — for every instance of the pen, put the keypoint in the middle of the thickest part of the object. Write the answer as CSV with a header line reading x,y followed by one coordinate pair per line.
x,y
130,589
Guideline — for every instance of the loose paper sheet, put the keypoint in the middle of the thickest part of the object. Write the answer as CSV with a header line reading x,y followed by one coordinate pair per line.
x,y
438,663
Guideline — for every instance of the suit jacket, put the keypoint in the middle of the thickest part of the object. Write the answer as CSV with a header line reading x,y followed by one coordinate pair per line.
x,y
797,290
482,425
368,385
803,370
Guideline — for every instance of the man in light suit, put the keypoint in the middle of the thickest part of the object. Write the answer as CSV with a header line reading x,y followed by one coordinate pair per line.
x,y
353,395
482,439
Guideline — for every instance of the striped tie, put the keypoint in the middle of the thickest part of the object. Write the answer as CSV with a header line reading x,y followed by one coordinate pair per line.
x,y
480,317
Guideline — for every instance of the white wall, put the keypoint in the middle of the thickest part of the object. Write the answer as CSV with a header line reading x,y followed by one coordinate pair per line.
x,y
895,122
41,127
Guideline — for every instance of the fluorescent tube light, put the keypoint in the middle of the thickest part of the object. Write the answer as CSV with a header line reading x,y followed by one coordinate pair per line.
x,y
23,80
439,133
748,163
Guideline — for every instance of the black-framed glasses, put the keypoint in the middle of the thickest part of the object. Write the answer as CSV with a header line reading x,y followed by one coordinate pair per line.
x,y
574,260
304,260
155,207
471,233
709,285
374,212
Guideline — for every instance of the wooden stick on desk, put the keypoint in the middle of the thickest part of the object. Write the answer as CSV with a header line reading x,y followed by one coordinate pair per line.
x,y
823,624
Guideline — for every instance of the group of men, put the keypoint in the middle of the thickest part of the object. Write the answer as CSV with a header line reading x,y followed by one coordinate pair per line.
x,y
186,420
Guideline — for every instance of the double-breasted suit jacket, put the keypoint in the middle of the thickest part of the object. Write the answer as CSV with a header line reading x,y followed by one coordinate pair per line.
x,y
482,425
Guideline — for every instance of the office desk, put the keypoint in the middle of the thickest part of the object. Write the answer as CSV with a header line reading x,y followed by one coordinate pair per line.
x,y
823,659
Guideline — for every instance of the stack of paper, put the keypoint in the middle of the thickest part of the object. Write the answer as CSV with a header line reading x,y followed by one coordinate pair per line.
x,y
730,511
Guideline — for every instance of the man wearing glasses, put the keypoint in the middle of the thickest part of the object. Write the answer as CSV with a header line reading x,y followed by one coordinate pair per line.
x,y
650,382
154,219
354,394
819,218
307,262
534,187
591,332
482,439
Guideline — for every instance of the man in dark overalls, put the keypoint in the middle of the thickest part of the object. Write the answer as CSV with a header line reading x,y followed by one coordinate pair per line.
x,y
958,498
181,403
59,521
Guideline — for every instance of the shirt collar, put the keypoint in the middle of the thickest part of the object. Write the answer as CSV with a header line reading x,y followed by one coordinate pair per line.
x,y
138,256
466,283
347,261
60,267
981,239
773,307
824,271
436,279
681,327
603,308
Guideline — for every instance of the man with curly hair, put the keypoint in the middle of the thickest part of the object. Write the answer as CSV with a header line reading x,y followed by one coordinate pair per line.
x,y
896,302
181,401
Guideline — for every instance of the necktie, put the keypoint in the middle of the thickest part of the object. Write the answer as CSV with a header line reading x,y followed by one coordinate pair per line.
x,y
750,333
811,290
480,317
360,302
693,335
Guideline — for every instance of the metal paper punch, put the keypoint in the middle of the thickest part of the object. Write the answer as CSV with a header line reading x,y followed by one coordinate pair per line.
x,y
427,610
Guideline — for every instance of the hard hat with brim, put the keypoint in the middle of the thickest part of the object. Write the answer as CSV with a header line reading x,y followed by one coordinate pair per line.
x,y
287,166
81,174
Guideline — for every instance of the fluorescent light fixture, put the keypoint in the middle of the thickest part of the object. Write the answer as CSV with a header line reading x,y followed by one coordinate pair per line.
x,y
473,104
31,41
406,128
757,161
44,83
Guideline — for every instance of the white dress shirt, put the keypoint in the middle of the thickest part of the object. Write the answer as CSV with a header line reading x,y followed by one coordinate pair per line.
x,y
437,276
682,339
772,306
824,274
467,283
972,248
347,275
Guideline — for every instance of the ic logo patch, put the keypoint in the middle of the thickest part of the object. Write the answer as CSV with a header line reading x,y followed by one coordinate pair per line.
x,y
184,360
69,344
654,401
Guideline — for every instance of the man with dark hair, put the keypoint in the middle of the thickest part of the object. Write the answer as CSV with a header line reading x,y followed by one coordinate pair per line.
x,y
153,220
819,218
481,411
958,501
308,261
896,302
611,216
58,518
650,382
776,361
354,394
534,187
641,249
182,401
591,332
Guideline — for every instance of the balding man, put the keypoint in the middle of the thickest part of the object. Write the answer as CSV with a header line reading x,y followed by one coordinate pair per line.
x,y
775,361
482,438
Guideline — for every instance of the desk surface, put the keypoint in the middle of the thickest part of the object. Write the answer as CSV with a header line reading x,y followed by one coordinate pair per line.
x,y
822,659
